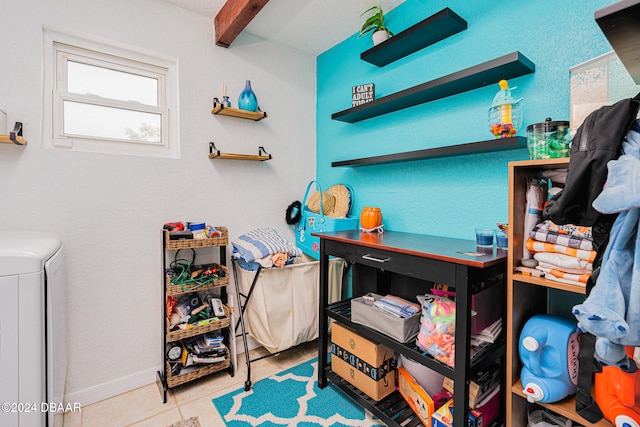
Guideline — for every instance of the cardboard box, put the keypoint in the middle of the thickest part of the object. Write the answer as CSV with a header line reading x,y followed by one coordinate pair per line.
x,y
399,328
418,399
366,365
481,385
443,417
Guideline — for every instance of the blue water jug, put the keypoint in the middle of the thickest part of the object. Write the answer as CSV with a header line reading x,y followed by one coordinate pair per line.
x,y
549,352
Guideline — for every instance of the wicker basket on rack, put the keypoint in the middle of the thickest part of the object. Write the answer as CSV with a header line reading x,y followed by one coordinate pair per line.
x,y
221,240
197,330
200,371
176,289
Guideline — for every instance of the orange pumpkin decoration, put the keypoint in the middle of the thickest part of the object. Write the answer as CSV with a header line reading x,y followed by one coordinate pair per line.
x,y
370,218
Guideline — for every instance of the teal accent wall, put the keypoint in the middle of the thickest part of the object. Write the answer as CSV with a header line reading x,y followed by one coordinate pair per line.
x,y
449,196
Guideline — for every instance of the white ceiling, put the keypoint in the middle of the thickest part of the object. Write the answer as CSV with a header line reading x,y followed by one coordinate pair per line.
x,y
311,26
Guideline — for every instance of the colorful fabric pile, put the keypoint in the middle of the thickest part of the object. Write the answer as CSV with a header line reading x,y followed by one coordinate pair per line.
x,y
265,247
564,252
437,327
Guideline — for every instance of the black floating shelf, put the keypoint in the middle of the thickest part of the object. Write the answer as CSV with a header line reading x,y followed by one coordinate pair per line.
x,y
425,33
620,24
508,66
487,146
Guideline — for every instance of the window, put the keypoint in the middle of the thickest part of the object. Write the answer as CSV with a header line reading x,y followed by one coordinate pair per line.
x,y
110,100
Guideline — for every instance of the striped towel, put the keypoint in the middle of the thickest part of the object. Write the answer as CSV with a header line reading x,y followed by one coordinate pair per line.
x,y
559,274
561,280
543,235
568,229
566,269
564,262
263,242
536,246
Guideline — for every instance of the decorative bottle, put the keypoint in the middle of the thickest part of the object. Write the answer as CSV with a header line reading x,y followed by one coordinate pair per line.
x,y
247,99
505,113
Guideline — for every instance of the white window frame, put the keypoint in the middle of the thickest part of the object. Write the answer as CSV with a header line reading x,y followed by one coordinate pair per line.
x,y
60,48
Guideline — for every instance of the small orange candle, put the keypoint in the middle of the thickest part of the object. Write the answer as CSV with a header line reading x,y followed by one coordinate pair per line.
x,y
370,217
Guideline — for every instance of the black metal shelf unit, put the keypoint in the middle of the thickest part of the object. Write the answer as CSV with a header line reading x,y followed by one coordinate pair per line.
x,y
486,146
406,264
341,312
509,66
620,25
429,31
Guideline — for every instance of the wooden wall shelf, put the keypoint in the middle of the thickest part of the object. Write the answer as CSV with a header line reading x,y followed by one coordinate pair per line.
x,y
425,33
14,137
219,109
486,146
621,26
507,67
214,153
6,139
565,407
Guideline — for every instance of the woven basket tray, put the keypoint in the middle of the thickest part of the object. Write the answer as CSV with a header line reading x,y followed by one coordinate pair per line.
x,y
218,283
197,330
205,369
222,240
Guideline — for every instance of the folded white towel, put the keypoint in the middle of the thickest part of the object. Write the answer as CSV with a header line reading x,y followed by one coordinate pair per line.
x,y
562,260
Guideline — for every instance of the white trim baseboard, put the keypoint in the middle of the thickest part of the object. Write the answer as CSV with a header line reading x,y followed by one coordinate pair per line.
x,y
113,388
140,379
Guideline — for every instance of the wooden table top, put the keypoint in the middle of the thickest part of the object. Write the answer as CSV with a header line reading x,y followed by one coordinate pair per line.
x,y
457,251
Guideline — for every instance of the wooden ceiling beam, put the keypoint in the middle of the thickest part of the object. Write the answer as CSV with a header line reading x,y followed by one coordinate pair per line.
x,y
234,16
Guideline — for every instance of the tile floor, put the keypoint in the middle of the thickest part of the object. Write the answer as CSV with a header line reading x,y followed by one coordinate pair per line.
x,y
143,407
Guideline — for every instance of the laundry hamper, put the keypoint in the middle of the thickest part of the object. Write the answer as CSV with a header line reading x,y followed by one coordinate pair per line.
x,y
282,310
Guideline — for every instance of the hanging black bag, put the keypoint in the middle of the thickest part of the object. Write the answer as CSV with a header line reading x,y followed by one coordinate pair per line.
x,y
597,141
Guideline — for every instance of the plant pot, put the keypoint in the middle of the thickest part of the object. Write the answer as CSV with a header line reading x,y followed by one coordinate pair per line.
x,y
379,36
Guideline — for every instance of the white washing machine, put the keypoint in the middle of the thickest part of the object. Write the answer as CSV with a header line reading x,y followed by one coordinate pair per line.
x,y
32,329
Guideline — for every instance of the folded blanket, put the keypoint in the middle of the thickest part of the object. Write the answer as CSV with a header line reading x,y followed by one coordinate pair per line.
x,y
577,278
565,269
266,262
561,280
563,262
536,246
568,229
544,235
261,243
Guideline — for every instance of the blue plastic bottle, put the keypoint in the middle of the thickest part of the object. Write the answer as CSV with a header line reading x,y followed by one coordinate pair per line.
x,y
549,352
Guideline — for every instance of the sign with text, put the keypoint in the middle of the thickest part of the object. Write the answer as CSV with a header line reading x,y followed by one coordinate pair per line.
x,y
362,94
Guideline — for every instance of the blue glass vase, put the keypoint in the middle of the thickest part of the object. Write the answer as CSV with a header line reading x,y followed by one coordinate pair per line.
x,y
247,99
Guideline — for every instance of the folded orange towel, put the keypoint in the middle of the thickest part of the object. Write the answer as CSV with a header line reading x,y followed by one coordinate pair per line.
x,y
537,246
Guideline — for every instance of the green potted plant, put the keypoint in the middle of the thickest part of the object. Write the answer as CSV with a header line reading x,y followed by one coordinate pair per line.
x,y
376,24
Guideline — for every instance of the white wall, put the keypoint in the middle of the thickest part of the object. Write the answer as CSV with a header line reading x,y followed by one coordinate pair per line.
x,y
110,209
